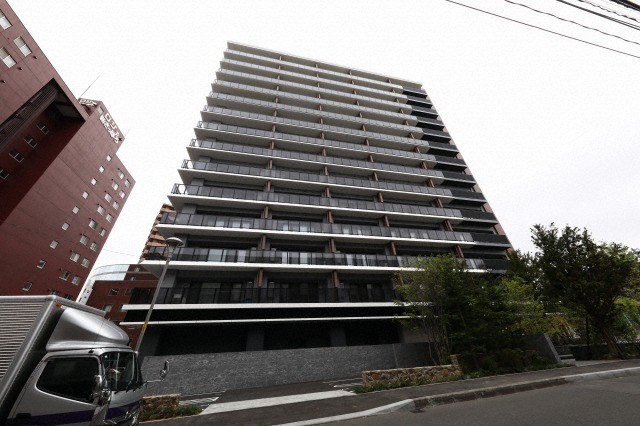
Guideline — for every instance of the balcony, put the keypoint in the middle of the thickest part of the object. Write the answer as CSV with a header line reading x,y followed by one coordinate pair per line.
x,y
308,115
264,295
311,70
413,191
328,261
366,208
338,231
297,77
228,88
287,86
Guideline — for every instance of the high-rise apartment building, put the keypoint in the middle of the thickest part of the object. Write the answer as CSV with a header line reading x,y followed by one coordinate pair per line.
x,y
308,186
62,185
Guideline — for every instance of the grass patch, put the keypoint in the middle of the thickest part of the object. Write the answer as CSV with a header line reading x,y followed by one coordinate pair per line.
x,y
169,412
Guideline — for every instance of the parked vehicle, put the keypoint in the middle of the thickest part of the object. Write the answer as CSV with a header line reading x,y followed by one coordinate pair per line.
x,y
62,362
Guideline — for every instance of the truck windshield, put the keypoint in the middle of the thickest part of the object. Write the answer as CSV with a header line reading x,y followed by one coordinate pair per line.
x,y
121,370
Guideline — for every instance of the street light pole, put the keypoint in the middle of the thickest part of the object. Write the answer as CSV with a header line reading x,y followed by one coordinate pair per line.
x,y
172,244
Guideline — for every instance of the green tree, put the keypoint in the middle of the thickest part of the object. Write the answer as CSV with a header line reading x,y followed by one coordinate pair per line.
x,y
586,276
422,291
459,311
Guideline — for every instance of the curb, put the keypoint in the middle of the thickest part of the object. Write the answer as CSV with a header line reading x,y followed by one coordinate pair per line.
x,y
418,404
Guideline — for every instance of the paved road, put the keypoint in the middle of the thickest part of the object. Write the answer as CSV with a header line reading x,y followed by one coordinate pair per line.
x,y
600,402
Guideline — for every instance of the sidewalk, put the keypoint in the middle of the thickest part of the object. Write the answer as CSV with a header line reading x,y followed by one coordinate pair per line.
x,y
312,408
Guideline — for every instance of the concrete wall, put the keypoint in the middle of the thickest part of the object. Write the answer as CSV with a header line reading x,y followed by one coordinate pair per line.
x,y
202,373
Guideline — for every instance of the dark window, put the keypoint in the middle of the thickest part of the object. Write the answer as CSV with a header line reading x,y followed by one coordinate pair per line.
x,y
31,141
3,173
16,155
71,378
44,129
114,292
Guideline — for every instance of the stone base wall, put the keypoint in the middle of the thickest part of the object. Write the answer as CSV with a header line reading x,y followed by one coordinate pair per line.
x,y
205,373
152,403
427,374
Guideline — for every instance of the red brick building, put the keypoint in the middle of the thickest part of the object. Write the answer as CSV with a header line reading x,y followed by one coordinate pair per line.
x,y
62,185
115,285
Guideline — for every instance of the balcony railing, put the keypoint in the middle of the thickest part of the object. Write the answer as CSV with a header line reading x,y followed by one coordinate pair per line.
x,y
311,227
311,100
309,200
313,113
314,70
277,257
320,159
263,295
310,88
318,142
313,80
325,179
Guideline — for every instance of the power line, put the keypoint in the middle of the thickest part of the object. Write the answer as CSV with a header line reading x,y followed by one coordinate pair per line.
x,y
543,29
570,21
618,21
609,10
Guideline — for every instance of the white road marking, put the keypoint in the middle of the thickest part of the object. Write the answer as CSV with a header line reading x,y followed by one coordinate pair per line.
x,y
269,402
200,401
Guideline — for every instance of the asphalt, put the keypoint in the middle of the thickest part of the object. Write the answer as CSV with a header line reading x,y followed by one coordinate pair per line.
x,y
323,402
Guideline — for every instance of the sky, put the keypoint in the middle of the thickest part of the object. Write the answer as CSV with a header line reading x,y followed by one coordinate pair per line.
x,y
548,125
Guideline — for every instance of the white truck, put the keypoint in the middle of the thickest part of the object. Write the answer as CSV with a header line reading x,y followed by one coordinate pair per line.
x,y
62,362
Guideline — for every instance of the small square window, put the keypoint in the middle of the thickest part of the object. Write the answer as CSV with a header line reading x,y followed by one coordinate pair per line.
x,y
114,185
76,279
53,244
114,291
54,292
85,194
116,205
108,196
101,209
108,158
4,22
127,183
121,175
93,181
31,141
19,41
75,209
86,262
84,239
6,58
101,169
65,226
74,256
27,286
16,155
123,194
93,224
41,264
44,129
94,246
102,232
109,218
64,275
107,308
3,173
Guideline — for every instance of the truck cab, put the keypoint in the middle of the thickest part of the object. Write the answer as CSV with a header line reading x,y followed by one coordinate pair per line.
x,y
76,368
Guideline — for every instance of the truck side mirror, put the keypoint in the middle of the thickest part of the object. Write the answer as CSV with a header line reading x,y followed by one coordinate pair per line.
x,y
165,370
100,390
